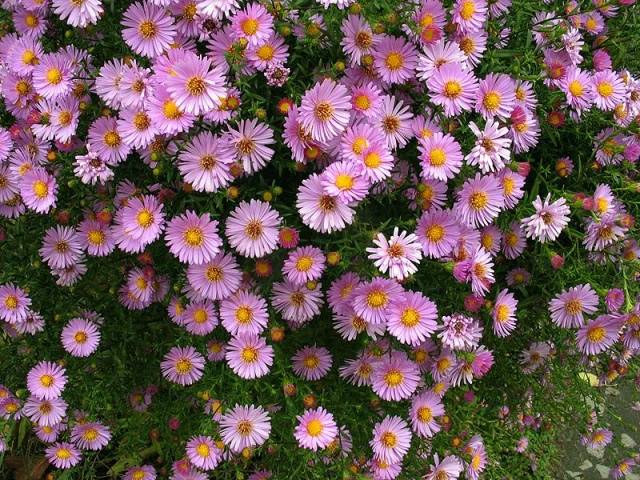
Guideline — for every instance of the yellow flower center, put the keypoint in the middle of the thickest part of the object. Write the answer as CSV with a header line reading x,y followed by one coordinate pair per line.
x,y
90,434
183,366
424,414
435,232
214,273
141,121
437,157
250,26
573,307
23,87
605,89
31,21
311,362
596,334
253,229
389,439
344,181
80,337
40,189
147,29
394,61
314,427
144,218
170,110
304,263
410,317
452,89
112,138
203,450
29,57
265,52
372,160
491,100
54,76
207,162
393,378
359,145
376,299
467,10
46,380
502,313
249,354
244,314
576,88
193,237
364,40
323,111
200,316
63,453
362,102
195,86
11,302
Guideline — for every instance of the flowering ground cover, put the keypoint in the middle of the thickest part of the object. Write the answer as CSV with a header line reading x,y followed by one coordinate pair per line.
x,y
322,239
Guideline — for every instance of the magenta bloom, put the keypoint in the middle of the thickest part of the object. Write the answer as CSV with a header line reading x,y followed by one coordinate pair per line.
x,y
45,413
324,110
46,380
469,15
459,332
311,363
319,211
479,201
512,183
423,412
577,86
316,429
203,452
372,300
148,30
14,304
63,455
598,335
183,365
491,151
193,239
145,472
412,318
143,219
440,156
245,427
249,356
345,181
395,377
78,15
60,247
304,264
253,24
80,337
252,229
395,59
245,312
453,88
341,292
96,237
608,90
251,143
449,468
496,96
504,313
52,77
548,220
216,279
296,303
358,39
438,231
38,190
567,309
391,439
200,318
399,255
195,85
90,435
206,161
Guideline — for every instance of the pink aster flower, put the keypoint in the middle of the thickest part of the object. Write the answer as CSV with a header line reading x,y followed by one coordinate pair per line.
x,y
394,120
63,455
395,377
391,439
137,128
143,219
145,472
200,318
14,304
316,429
491,151
166,115
357,38
320,211
598,335
46,380
440,156
60,247
346,181
460,332
288,237
449,468
38,190
491,239
423,412
296,303
395,59
78,14
91,435
324,110
603,232
80,337
399,255
253,24
52,77
195,84
193,239
106,141
244,312
357,138
608,90
376,162
412,318
496,96
548,221
577,86
372,300
438,231
341,292
183,365
504,313
311,362
469,15
512,184
477,269
205,162
479,201
148,30
245,427
568,308
436,55
252,229
251,143
249,356
45,412
303,265
203,452
366,100
216,279
599,438
453,88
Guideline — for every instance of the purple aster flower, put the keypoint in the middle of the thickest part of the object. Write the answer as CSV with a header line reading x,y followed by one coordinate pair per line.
x,y
38,190
598,335
90,435
304,264
460,332
60,247
479,201
203,452
45,412
252,229
504,313
206,161
316,429
391,439
320,211
63,455
296,303
183,365
46,380
568,307
251,144
148,30
412,318
311,362
423,412
14,304
438,231
395,377
80,337
324,110
449,468
492,148
245,427
249,356
399,255
549,219
496,96
193,239
453,88
440,156
244,312
372,300
395,59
